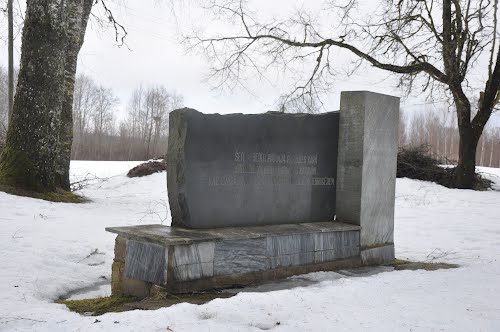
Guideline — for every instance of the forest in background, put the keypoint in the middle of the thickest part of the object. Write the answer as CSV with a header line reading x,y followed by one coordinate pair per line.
x,y
438,130
99,133
142,134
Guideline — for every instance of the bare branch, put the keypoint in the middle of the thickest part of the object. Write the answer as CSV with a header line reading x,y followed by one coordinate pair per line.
x,y
120,31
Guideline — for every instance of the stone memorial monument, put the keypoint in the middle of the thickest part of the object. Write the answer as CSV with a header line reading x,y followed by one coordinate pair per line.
x,y
265,196
248,170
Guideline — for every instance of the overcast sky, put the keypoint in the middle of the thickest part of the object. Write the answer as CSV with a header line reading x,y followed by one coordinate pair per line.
x,y
154,56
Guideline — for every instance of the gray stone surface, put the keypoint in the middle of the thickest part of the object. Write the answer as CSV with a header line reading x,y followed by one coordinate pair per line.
x,y
197,254
292,259
220,256
165,235
378,255
193,271
258,169
241,256
366,173
193,261
279,251
145,261
194,253
291,244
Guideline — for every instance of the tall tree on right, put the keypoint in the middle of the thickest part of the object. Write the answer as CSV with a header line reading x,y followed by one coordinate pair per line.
x,y
450,44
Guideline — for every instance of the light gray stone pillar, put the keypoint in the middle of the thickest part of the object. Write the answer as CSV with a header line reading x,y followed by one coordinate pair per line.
x,y
366,170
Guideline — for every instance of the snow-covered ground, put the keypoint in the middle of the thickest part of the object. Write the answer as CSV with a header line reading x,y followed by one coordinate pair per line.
x,y
46,252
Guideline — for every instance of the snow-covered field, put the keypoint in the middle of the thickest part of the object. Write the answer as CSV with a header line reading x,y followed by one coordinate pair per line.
x,y
45,252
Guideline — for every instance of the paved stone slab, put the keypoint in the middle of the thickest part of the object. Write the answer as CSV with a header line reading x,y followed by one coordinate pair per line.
x,y
165,235
257,169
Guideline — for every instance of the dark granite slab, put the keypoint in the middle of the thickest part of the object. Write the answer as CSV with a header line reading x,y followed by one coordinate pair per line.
x,y
251,169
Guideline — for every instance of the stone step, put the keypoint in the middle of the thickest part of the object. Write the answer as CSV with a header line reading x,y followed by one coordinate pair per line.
x,y
184,260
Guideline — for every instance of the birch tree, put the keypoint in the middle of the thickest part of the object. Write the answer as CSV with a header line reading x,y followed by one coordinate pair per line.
x,y
30,157
39,138
78,12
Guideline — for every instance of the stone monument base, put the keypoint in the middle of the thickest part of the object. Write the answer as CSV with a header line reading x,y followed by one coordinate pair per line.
x,y
178,260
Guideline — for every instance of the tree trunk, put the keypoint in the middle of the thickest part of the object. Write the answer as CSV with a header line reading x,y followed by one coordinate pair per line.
x,y
11,57
78,15
29,157
466,167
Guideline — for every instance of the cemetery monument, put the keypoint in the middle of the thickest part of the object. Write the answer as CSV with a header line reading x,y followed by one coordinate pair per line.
x,y
265,196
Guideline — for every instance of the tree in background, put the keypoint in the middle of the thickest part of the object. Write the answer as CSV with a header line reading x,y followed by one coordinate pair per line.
x,y
83,102
102,114
10,46
99,134
437,130
449,46
4,104
148,118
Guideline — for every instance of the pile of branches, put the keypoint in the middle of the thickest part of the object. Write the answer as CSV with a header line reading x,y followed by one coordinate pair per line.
x,y
147,168
417,163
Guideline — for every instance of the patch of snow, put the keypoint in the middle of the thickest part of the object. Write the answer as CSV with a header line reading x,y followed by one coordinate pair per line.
x,y
46,251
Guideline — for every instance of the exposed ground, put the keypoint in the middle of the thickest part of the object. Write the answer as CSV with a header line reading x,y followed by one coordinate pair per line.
x,y
102,305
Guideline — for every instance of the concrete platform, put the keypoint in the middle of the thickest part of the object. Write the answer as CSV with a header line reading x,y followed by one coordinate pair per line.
x,y
185,260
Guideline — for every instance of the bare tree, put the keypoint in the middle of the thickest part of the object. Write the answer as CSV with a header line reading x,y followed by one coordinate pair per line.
x,y
402,130
433,129
83,102
141,135
4,104
156,105
432,45
93,120
148,117
102,116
